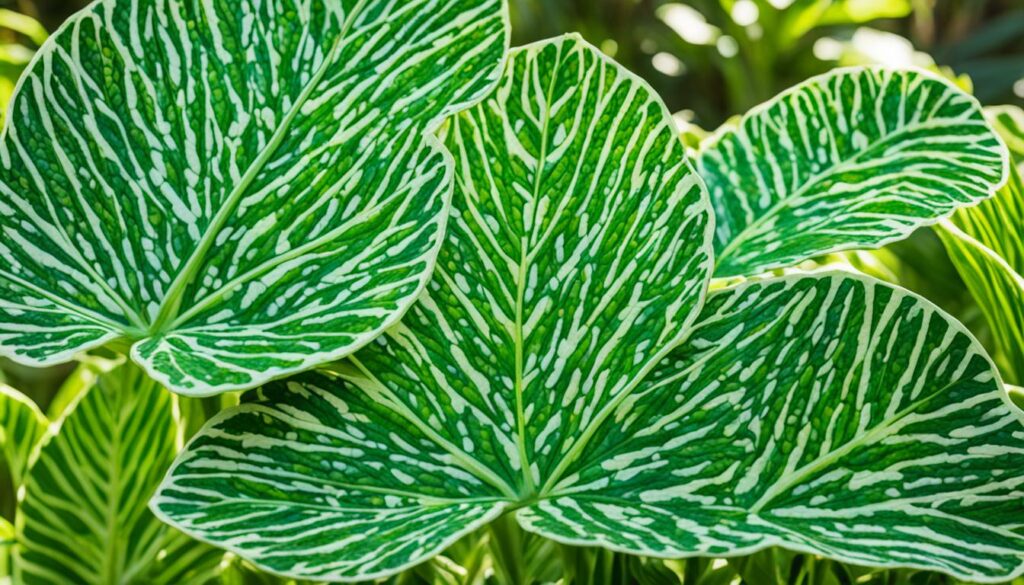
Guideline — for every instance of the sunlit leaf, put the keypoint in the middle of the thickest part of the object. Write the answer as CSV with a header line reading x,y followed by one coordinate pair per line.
x,y
22,424
239,190
577,254
24,24
986,244
853,159
830,414
1009,122
83,518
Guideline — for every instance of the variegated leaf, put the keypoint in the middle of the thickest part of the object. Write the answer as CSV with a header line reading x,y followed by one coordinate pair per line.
x,y
856,158
83,516
986,244
22,425
240,190
1009,123
578,253
825,413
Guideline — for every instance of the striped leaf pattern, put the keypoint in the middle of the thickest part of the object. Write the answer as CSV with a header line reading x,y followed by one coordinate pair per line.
x,y
1008,121
239,189
853,159
577,254
83,518
22,425
986,244
828,413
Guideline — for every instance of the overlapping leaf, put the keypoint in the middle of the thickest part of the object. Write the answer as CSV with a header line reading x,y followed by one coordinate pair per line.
x,y
83,518
1009,123
240,189
986,244
856,158
828,413
577,254
22,424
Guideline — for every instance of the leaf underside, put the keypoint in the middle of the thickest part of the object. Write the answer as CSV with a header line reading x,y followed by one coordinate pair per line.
x,y
853,159
826,413
84,517
241,189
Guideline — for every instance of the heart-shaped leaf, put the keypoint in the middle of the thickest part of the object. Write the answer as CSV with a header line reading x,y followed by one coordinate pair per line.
x,y
854,159
241,190
83,517
22,424
578,252
828,413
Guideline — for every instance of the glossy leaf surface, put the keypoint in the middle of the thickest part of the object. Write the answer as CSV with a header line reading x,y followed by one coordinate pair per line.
x,y
575,216
853,159
241,190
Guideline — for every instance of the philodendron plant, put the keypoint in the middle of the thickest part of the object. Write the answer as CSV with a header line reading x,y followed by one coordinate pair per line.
x,y
566,364
238,193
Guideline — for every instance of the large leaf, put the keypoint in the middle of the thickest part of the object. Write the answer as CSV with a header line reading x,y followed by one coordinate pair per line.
x,y
826,413
856,158
22,424
578,252
83,517
241,189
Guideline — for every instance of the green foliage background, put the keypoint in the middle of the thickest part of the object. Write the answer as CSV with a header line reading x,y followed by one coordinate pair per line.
x,y
709,60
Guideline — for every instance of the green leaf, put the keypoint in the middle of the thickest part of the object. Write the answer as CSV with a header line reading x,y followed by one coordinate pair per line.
x,y
986,244
577,254
22,424
83,517
998,291
6,544
1008,121
241,190
856,158
826,413
24,24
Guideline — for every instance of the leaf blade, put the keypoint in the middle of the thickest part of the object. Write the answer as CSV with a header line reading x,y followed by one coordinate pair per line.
x,y
22,425
873,431
297,469
855,158
84,516
185,243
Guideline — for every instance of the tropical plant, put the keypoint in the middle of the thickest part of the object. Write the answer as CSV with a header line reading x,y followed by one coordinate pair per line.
x,y
257,200
986,243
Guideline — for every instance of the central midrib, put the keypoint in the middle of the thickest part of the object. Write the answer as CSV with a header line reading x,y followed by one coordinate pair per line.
x,y
750,228
171,304
529,487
